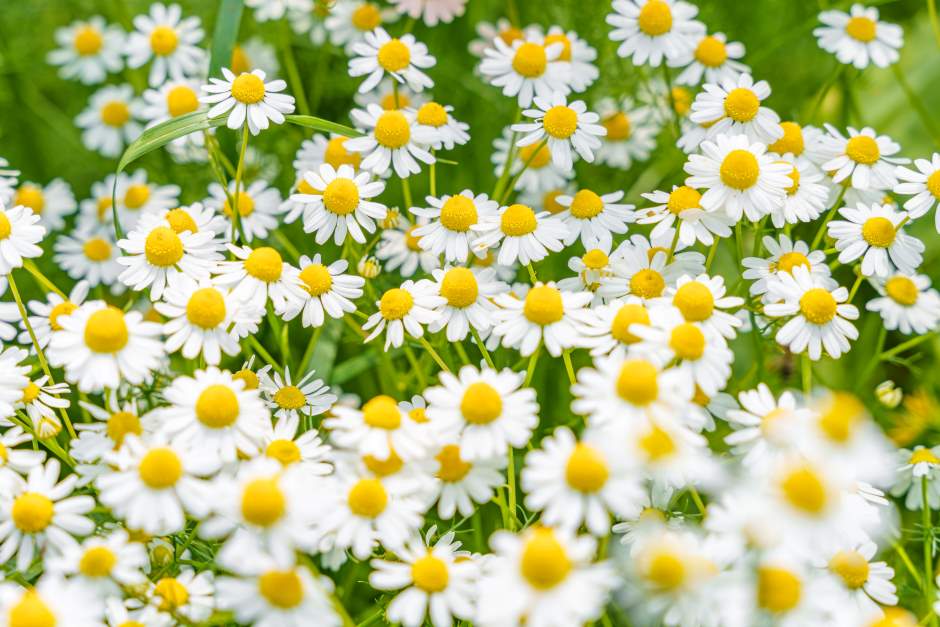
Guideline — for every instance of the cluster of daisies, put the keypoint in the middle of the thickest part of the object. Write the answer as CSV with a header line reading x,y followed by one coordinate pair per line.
x,y
169,455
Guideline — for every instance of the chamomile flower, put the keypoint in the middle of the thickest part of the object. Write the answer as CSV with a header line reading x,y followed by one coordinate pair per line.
x,y
170,40
329,289
100,346
469,300
13,380
259,274
867,583
431,11
488,31
258,205
137,196
765,426
807,196
105,563
110,423
188,594
652,31
862,159
350,20
739,176
90,257
380,429
247,100
40,401
404,59
525,68
308,396
436,581
321,149
256,53
563,127
631,132
641,268
464,483
594,218
819,317
859,37
20,231
41,512
338,202
52,202
45,318
576,60
907,303
155,254
171,100
531,165
265,10
915,468
453,222
520,234
487,410
589,268
923,185
305,449
608,328
713,60
735,107
439,128
214,413
545,315
16,462
701,299
88,50
682,208
404,308
784,255
194,218
875,234
53,600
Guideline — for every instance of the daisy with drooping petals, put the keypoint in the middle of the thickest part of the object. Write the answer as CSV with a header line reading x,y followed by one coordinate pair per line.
x,y
866,582
338,202
167,39
403,58
465,483
329,289
89,50
437,127
562,126
631,132
258,205
713,60
820,316
652,31
915,468
259,274
109,122
469,300
404,308
112,421
52,202
90,257
589,268
391,141
594,218
288,400
922,185
907,303
451,220
247,99
105,563
380,429
100,346
682,208
863,158
859,37
189,594
521,234
546,315
735,106
785,254
525,67
875,233
40,401
16,462
52,600
20,231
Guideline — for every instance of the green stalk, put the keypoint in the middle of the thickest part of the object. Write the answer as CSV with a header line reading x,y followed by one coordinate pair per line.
x,y
31,267
525,166
928,544
430,349
530,368
566,356
806,370
482,347
239,171
511,480
832,212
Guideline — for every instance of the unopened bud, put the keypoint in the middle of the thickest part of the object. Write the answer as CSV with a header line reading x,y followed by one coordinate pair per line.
x,y
889,395
369,267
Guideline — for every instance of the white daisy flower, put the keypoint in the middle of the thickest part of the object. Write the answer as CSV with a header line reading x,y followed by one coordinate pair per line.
x,y
259,274
258,206
576,60
89,257
88,50
701,299
914,467
875,233
170,40
100,346
320,149
594,218
16,462
739,176
265,10
867,583
171,100
922,185
546,315
520,234
105,563
563,127
439,127
404,308
735,107
525,67
464,484
329,290
907,303
589,269
713,60
40,401
631,132
138,196
608,328
305,449
863,158
468,296
189,595
540,175
654,30
682,208
785,254
488,31
14,380
807,195
765,427
339,202
641,268
287,399
859,37
819,315
350,20
110,424
53,600
45,318
450,231
247,100
380,429
401,250
194,218
110,121
403,58
52,203
393,139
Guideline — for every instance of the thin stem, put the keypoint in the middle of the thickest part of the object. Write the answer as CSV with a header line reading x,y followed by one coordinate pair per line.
x,y
510,157
239,171
915,101
430,349
675,242
261,350
697,499
566,357
525,166
674,117
482,346
413,361
406,193
832,212
432,172
511,480
530,368
290,64
532,276
806,370
308,352
906,560
462,353
875,358
928,542
855,286
900,348
934,20
823,90
711,254
43,280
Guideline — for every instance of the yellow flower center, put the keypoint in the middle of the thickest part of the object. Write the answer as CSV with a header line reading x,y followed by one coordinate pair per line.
x,y
30,393
248,377
560,122
792,140
790,260
739,170
879,231
544,562
711,52
902,290
290,397
263,502
395,304
628,314
695,301
180,221
62,309
30,196
382,412
432,114
683,198
281,588
394,56
530,60
341,196
595,259
418,414
95,248
638,382
933,184
459,287
586,204
657,444
518,220
510,35
337,155
115,113
536,160
172,593
560,38
818,306
543,305
384,467
665,570
97,562
217,406
682,101
647,283
304,187
246,205
163,40
120,424
317,279
453,467
687,341
840,416
160,468
655,18
863,149
481,403
430,573
367,498
240,63
32,512
264,264
5,227
618,126
458,213
248,89
895,617
106,331
586,470
412,241
924,456
136,195
804,490
163,247
741,105
31,611
284,451
392,130
206,308
861,28
852,567
181,100
87,41
778,589
366,17
794,175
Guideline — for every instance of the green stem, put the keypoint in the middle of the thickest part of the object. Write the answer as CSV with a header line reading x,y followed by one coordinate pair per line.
x,y
674,115
430,349
928,543
432,171
934,21
875,358
711,254
832,212
900,348
308,353
532,276
906,560
510,157
530,368
566,356
511,480
482,346
406,193
413,361
855,286
261,350
290,64
462,353
823,90
806,370
525,166
43,280
675,242
697,499
239,171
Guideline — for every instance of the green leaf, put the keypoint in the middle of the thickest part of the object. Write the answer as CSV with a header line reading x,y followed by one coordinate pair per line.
x,y
320,124
225,35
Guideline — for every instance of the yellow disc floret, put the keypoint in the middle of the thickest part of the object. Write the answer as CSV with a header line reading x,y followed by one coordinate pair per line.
x,y
367,498
879,231
206,308
263,502
739,169
87,40
655,18
586,205
394,56
560,122
861,28
248,89
32,512
160,468
163,40
518,220
459,287
741,104
452,467
382,412
530,60
181,100
863,149
543,305
281,588
97,561
586,470
804,490
711,52
217,406
341,196
264,264
902,290
395,304
30,611
481,403
778,589
818,306
458,213
544,562
163,247
638,382
392,130
317,279
687,341
430,573
106,330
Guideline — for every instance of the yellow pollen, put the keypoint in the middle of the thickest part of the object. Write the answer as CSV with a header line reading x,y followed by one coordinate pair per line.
x,y
595,259
657,444
181,100
367,498
136,195
543,305
240,62
695,301
741,105
5,227
861,28
544,562
106,331
281,588
924,456
863,149
618,127
62,309
317,279
560,38
711,52
687,341
31,611
852,567
394,56
560,122
432,114
104,206
172,594
246,205
341,196
30,393
115,113
382,412
459,287
530,60
638,382
284,451
647,283
87,41
586,205
97,562
792,140
392,130
902,290
430,573
248,89
682,198
790,260
263,502
586,470
453,467
120,424
163,40
804,490
818,306
264,264
536,160
366,17
518,220
778,589
655,18
4,454
163,247
458,213
419,414
217,406
933,184
249,378
160,468
32,512
628,314
840,416
206,308
879,231
412,241
384,467
290,397
30,196
395,304
481,404
739,170
336,154
180,221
